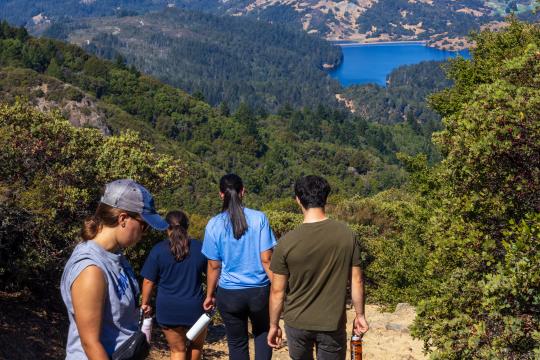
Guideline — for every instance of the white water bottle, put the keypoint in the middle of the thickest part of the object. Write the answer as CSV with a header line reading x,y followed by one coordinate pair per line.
x,y
146,328
199,326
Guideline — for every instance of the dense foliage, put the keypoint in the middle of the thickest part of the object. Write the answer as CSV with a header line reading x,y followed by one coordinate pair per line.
x,y
48,185
227,59
404,95
21,12
483,290
390,227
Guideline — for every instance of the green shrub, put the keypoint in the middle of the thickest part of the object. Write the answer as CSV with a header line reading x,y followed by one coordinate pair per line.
x,y
283,222
482,298
390,229
73,94
51,177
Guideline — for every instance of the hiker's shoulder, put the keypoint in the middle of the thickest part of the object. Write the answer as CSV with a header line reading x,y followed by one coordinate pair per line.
x,y
255,215
340,225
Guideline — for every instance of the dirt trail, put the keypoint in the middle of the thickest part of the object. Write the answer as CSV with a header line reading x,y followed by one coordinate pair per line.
x,y
32,328
387,339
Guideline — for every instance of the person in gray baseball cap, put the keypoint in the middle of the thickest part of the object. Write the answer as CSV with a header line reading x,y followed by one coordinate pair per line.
x,y
128,195
98,285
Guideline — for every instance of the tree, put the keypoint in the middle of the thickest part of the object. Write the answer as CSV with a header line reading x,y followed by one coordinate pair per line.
x,y
224,109
244,115
51,176
483,301
54,69
95,67
198,95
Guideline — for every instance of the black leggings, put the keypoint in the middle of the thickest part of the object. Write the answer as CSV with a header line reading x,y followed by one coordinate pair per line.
x,y
235,307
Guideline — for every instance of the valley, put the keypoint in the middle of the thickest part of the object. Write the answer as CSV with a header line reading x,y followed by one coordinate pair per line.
x,y
435,170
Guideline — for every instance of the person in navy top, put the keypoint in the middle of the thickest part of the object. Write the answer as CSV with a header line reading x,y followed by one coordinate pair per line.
x,y
176,266
238,243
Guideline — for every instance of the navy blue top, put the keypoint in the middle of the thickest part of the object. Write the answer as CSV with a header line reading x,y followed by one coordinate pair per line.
x,y
179,283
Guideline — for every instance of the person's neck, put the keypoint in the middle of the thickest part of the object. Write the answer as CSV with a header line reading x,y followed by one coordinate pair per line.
x,y
106,238
313,215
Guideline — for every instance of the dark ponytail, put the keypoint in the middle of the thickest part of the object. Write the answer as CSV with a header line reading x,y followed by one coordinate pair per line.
x,y
231,186
178,235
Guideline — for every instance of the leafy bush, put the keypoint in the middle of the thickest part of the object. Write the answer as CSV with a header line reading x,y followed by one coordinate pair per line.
x,y
482,300
512,294
283,222
50,180
390,229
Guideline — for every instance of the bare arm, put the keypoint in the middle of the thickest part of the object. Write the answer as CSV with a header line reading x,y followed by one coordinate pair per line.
x,y
88,296
277,297
358,300
147,288
212,277
266,258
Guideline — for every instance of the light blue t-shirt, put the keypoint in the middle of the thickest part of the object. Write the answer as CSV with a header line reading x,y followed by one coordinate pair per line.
x,y
241,265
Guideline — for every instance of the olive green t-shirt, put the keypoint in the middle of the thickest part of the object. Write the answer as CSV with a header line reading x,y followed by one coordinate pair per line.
x,y
317,258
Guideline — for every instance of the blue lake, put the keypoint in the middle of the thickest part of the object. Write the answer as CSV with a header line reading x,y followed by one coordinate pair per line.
x,y
371,63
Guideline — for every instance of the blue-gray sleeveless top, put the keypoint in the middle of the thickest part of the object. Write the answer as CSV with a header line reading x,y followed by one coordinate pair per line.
x,y
120,312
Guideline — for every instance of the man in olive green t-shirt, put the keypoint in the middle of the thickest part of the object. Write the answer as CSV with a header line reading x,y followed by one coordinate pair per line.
x,y
312,265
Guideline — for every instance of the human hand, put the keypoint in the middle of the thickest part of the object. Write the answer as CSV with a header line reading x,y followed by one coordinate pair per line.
x,y
147,309
274,338
209,303
361,325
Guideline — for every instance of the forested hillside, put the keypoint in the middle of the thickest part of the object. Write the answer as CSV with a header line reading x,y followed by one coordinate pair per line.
x,y
403,100
24,12
381,20
458,238
404,97
437,21
227,59
182,143
269,150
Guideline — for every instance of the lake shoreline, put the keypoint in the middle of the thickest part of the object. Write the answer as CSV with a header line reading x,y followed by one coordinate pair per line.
x,y
365,63
366,43
444,44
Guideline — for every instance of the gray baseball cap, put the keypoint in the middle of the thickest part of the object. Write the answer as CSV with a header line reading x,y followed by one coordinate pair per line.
x,y
128,195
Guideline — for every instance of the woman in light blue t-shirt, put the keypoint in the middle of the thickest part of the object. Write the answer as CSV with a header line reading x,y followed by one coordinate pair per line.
x,y
238,243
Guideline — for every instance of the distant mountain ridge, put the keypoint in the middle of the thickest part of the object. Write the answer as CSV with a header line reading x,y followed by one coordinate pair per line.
x,y
359,20
383,20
